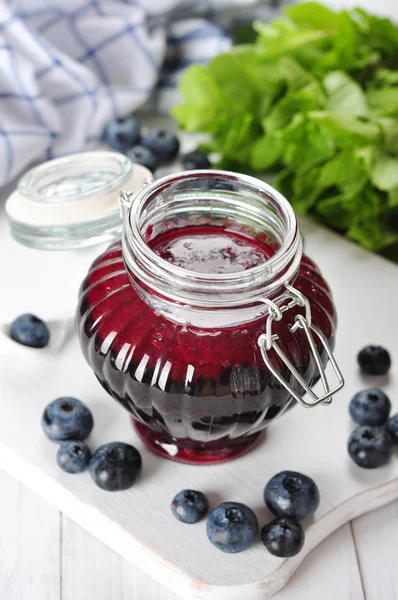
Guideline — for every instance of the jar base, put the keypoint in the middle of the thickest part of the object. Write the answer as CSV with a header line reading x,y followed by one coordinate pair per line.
x,y
196,453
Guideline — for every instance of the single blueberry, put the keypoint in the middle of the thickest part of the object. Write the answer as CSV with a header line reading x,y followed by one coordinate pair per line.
x,y
115,466
392,427
291,494
374,360
189,506
122,134
370,447
143,156
29,330
283,537
232,527
73,456
370,407
67,419
165,144
195,160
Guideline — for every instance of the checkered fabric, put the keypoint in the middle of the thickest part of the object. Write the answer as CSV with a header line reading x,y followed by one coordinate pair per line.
x,y
68,66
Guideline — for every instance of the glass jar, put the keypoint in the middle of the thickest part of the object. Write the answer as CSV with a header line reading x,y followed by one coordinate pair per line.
x,y
72,202
206,321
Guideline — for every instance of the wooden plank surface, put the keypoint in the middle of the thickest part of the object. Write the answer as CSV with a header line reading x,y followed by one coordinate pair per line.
x,y
329,573
33,555
376,535
30,547
30,544
91,570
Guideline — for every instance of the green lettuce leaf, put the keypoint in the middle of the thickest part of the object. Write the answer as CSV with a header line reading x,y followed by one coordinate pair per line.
x,y
347,172
369,225
289,41
345,97
313,15
383,101
385,77
335,212
266,152
313,100
393,198
203,100
347,130
385,172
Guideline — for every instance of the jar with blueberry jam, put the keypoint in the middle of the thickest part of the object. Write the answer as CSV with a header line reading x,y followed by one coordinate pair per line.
x,y
204,320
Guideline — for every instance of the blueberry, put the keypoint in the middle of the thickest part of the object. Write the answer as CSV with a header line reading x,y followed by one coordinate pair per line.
x,y
29,330
370,407
370,447
115,466
283,537
374,360
189,506
67,419
122,134
73,456
195,160
143,156
232,527
291,494
162,142
392,428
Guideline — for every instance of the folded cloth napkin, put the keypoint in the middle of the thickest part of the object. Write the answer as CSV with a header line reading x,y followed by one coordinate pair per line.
x,y
68,66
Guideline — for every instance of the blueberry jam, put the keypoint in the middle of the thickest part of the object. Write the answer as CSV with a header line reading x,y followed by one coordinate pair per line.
x,y
210,249
197,394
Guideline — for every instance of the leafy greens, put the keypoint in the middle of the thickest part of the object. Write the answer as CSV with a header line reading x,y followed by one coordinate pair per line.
x,y
314,101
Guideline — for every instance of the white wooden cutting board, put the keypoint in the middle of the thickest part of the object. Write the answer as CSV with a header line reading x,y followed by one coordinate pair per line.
x,y
138,523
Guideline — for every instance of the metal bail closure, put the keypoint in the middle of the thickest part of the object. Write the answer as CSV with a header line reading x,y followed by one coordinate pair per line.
x,y
126,198
267,341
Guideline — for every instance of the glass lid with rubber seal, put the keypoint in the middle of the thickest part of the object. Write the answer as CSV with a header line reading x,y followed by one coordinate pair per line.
x,y
73,201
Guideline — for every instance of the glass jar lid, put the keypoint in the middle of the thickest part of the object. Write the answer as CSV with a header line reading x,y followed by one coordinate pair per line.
x,y
73,201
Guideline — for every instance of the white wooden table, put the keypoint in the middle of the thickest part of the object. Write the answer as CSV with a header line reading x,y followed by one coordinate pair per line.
x,y
45,556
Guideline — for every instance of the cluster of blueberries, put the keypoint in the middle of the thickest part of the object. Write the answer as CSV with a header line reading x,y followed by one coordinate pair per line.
x,y
371,444
68,422
233,527
150,147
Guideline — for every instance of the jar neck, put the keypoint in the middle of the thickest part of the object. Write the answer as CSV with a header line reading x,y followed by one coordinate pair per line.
x,y
241,204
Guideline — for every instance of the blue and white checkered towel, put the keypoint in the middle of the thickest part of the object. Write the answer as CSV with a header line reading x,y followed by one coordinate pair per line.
x,y
68,66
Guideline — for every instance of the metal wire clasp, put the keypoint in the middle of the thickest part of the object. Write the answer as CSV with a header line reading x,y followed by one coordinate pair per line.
x,y
124,202
267,341
125,198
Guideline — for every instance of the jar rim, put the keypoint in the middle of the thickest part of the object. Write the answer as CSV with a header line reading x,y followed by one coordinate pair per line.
x,y
290,246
